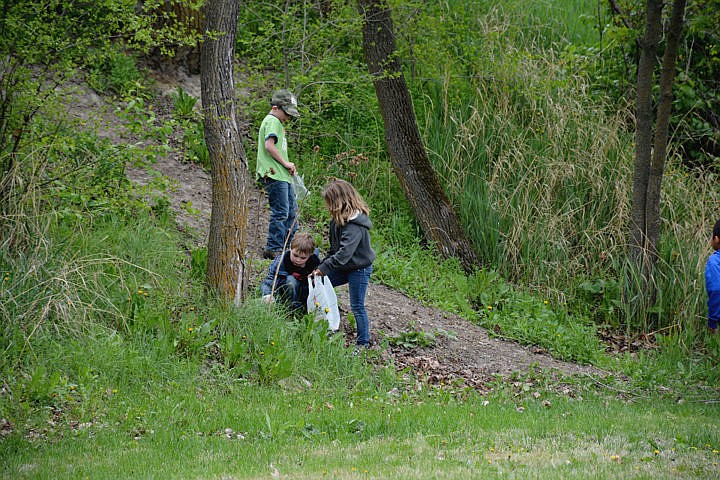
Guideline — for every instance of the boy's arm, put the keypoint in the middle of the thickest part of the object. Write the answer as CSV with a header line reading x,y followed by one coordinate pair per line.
x,y
267,284
275,154
312,262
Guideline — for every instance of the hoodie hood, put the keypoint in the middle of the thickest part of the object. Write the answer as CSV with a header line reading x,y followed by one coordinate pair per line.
x,y
362,220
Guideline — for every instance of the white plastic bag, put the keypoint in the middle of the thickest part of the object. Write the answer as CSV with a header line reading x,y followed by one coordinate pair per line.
x,y
322,301
298,185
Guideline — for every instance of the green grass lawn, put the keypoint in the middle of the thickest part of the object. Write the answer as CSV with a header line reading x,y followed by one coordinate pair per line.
x,y
186,429
135,373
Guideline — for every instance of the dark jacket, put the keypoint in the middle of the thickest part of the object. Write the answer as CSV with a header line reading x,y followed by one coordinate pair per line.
x,y
349,246
287,268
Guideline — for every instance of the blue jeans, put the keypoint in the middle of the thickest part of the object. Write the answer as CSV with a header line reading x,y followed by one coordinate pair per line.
x,y
283,207
357,281
293,293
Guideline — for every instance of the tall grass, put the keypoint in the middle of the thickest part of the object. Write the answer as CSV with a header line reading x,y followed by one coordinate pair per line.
x,y
535,171
102,308
112,356
542,176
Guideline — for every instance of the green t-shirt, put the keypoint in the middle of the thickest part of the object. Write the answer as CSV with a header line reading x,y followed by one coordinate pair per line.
x,y
266,165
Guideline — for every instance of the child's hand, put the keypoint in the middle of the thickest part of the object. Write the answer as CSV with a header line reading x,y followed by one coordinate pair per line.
x,y
317,272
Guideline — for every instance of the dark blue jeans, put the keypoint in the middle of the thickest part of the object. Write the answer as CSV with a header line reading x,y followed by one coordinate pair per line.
x,y
294,293
283,208
357,281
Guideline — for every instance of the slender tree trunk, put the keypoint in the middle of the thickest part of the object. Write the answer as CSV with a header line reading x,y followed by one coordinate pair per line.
x,y
657,164
643,134
226,266
651,150
407,152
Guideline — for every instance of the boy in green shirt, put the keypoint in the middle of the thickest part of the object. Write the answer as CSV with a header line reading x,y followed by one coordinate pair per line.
x,y
274,171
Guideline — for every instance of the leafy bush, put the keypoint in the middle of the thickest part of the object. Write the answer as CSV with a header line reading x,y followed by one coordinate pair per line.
x,y
612,60
116,72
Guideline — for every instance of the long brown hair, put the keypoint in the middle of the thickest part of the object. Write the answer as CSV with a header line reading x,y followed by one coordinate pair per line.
x,y
342,201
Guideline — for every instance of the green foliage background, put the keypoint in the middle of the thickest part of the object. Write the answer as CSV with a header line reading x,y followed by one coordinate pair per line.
x,y
531,145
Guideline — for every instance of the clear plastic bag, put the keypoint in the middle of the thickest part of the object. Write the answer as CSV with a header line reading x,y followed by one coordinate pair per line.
x,y
298,185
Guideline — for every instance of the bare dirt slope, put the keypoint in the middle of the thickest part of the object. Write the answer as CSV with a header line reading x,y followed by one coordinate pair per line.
x,y
462,352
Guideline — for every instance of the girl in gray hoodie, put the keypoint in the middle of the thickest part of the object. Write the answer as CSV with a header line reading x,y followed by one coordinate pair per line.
x,y
350,257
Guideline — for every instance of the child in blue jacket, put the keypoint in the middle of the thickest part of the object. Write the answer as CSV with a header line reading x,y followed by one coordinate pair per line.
x,y
712,280
289,273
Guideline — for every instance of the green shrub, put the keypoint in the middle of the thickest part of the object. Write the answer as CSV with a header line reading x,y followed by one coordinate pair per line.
x,y
196,149
115,71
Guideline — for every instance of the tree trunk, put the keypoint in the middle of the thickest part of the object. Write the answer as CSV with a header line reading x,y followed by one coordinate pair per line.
x,y
651,149
227,272
643,135
657,164
405,147
184,18
189,20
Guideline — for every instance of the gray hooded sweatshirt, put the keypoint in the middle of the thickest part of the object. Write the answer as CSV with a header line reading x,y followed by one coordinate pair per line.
x,y
349,246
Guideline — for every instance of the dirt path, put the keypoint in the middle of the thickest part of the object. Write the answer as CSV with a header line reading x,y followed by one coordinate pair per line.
x,y
462,352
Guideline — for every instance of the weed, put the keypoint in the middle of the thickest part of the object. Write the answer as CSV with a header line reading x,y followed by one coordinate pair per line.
x,y
184,104
143,121
413,338
195,147
198,263
117,72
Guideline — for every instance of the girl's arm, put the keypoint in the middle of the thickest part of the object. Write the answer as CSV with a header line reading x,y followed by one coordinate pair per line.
x,y
349,240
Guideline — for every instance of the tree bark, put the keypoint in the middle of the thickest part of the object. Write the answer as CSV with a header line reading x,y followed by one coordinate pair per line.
x,y
189,20
185,18
651,149
659,154
405,147
227,272
643,134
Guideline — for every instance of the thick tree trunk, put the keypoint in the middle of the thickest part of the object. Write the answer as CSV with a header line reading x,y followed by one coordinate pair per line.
x,y
184,17
189,20
226,266
407,152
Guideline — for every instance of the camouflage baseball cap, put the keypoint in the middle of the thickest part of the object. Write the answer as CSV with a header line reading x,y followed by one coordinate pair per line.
x,y
287,101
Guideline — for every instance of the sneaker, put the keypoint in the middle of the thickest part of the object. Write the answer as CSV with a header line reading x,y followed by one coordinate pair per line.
x,y
360,348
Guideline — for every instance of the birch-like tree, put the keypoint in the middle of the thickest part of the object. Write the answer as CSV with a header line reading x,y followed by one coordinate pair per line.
x,y
651,138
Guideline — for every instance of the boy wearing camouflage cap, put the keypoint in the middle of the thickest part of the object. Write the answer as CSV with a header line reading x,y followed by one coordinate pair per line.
x,y
274,171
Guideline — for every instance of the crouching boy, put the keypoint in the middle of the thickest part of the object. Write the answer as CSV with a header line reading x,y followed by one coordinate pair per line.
x,y
292,269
